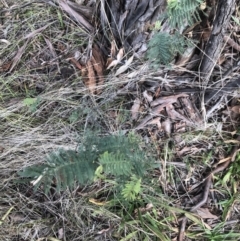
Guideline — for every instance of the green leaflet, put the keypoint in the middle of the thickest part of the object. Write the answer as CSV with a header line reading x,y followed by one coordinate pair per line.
x,y
163,47
132,189
182,12
118,156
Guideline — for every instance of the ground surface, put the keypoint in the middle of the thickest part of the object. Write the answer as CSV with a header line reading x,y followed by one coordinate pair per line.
x,y
65,69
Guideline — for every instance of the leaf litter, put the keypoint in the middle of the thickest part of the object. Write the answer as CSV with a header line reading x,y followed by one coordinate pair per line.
x,y
164,102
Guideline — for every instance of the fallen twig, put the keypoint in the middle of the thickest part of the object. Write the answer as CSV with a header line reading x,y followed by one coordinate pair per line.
x,y
208,183
231,42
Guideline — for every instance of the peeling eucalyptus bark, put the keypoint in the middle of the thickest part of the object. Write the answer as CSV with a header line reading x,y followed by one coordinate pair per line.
x,y
215,43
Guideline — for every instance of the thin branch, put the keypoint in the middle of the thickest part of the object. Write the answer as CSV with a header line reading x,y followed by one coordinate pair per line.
x,y
231,42
208,183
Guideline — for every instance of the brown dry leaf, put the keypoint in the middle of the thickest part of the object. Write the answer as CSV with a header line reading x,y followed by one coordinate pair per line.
x,y
167,99
185,150
206,32
121,20
133,74
117,61
153,113
51,48
204,213
174,115
147,96
91,82
5,67
155,121
221,59
161,104
98,65
18,56
232,141
98,202
35,32
80,19
76,63
60,233
125,66
189,150
191,110
81,8
93,73
112,63
184,59
104,230
109,61
113,48
5,41
167,126
61,47
157,93
135,109
112,114
1,149
235,109
17,218
84,73
232,43
179,126
148,207
224,160
99,71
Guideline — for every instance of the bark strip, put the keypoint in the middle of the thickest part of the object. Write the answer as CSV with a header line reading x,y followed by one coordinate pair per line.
x,y
215,44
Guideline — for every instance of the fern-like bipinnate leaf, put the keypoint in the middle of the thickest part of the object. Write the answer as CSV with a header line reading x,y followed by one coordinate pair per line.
x,y
132,189
182,12
163,47
160,48
64,167
118,156
116,164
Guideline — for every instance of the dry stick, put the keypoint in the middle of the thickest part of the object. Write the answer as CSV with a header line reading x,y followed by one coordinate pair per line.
x,y
198,205
231,42
208,183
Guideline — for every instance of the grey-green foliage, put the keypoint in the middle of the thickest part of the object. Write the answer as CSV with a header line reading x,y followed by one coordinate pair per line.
x,y
163,47
118,155
183,12
32,103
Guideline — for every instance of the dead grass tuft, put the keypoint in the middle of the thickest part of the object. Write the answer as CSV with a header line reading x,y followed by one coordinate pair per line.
x,y
53,87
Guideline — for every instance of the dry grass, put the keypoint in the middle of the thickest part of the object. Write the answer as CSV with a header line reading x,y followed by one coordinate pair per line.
x,y
45,105
32,128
